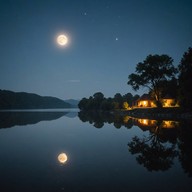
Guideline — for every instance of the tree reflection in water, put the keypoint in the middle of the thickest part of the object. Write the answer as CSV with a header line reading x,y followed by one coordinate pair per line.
x,y
185,146
99,118
152,153
167,139
157,151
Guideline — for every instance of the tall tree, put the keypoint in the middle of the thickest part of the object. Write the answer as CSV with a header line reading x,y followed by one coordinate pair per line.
x,y
151,72
98,96
185,79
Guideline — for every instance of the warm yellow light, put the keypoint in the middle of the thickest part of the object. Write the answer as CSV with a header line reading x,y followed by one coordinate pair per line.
x,y
145,103
145,121
126,119
169,124
62,158
62,40
153,104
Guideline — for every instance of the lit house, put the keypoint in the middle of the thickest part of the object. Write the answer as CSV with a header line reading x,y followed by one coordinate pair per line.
x,y
145,101
169,101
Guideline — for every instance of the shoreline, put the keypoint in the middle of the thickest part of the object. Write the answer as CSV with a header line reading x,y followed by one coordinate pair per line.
x,y
168,113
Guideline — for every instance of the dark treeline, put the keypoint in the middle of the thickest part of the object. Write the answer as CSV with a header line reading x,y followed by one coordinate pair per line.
x,y
99,102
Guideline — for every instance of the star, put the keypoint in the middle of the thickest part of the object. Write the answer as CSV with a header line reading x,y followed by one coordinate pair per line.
x,y
116,39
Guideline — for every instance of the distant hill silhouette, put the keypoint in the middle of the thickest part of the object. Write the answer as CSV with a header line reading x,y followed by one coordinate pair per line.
x,y
23,100
73,102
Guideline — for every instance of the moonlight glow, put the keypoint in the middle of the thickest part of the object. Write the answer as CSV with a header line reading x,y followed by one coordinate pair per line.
x,y
62,158
62,40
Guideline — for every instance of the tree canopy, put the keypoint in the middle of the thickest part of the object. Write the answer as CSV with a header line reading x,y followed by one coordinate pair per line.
x,y
185,79
99,102
151,72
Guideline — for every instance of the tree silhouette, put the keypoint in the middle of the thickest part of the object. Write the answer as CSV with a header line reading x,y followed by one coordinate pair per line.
x,y
151,72
185,79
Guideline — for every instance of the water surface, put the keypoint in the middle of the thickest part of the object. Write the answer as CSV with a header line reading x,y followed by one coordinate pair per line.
x,y
105,153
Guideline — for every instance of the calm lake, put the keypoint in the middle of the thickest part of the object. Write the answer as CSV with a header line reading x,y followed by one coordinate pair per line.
x,y
103,152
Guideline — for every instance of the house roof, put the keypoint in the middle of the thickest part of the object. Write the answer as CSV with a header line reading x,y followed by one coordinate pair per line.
x,y
145,96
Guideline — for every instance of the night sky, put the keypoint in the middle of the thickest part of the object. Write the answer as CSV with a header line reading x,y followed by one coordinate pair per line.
x,y
107,38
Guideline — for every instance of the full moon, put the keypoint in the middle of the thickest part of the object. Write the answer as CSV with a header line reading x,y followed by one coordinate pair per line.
x,y
62,40
62,158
